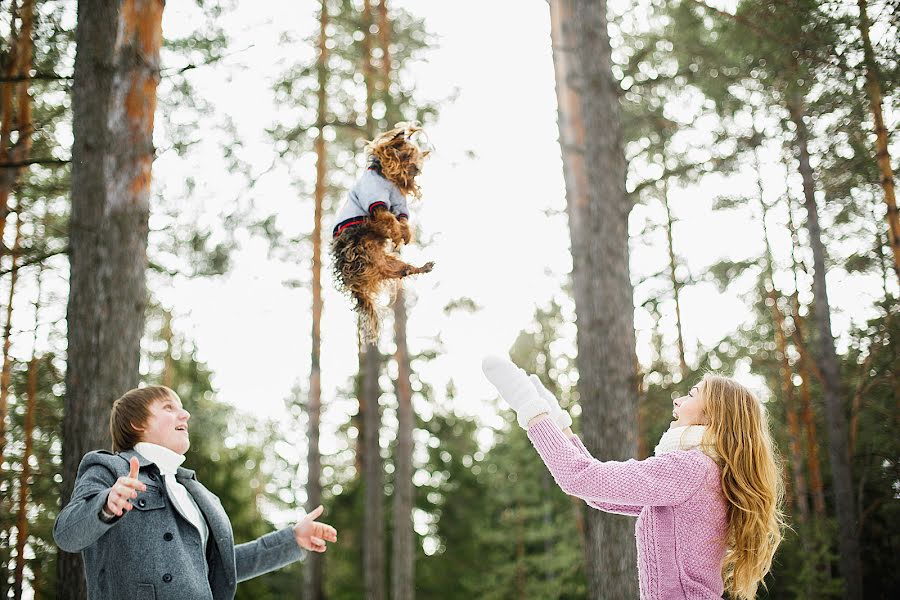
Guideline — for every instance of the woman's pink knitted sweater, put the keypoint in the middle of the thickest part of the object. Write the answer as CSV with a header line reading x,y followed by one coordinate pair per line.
x,y
677,498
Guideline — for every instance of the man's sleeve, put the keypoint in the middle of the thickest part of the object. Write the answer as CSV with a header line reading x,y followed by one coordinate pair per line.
x,y
79,524
268,553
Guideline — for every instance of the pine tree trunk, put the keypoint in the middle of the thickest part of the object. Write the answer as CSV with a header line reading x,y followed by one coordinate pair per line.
x,y
15,107
806,409
7,338
24,476
836,419
598,210
676,285
800,495
403,558
313,567
373,476
882,154
113,104
373,467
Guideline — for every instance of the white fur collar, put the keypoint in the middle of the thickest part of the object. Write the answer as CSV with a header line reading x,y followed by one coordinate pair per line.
x,y
683,438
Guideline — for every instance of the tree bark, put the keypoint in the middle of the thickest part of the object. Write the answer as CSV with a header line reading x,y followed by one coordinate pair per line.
x,y
806,409
882,154
373,467
598,210
800,496
113,105
313,580
403,558
676,285
373,476
24,476
836,419
7,340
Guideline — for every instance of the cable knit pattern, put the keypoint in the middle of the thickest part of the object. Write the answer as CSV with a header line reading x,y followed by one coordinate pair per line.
x,y
681,525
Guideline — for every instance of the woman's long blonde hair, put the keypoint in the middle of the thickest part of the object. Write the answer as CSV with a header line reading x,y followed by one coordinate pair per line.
x,y
751,481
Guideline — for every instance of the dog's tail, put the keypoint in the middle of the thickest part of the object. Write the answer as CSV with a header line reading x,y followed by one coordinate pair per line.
x,y
369,321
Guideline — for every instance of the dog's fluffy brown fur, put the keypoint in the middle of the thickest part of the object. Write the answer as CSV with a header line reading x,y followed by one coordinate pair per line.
x,y
365,256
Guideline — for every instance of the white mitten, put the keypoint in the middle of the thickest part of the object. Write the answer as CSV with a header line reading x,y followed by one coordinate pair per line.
x,y
562,418
515,388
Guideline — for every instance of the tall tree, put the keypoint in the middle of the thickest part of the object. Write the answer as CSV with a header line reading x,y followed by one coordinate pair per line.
x,y
598,210
827,360
882,147
315,562
15,105
113,104
373,464
25,475
403,551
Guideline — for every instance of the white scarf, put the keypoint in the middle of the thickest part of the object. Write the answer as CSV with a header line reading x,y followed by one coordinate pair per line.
x,y
688,437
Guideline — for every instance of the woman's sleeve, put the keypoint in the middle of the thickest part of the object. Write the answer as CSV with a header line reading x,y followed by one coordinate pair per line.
x,y
631,510
657,481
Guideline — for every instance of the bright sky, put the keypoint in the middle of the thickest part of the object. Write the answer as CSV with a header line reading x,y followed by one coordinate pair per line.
x,y
493,239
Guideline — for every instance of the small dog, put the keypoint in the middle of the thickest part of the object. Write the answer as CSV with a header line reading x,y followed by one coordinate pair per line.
x,y
374,223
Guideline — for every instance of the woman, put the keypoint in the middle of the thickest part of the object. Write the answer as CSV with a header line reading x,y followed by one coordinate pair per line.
x,y
708,503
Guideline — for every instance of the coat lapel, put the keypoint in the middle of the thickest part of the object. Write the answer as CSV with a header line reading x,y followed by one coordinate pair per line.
x,y
209,505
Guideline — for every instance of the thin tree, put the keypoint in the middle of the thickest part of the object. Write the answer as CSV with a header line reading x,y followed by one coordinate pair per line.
x,y
113,103
882,153
15,114
31,392
7,337
315,562
15,105
827,360
598,209
673,274
373,467
403,537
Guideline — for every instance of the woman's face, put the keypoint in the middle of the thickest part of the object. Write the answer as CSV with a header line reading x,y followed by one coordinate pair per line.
x,y
689,410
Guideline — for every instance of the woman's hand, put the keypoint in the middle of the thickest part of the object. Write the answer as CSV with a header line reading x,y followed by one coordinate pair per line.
x,y
311,535
124,489
562,419
515,388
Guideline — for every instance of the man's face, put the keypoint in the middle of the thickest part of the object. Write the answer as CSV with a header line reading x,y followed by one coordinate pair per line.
x,y
167,425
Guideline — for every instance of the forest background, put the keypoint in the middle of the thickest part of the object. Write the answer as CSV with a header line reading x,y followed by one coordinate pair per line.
x,y
759,219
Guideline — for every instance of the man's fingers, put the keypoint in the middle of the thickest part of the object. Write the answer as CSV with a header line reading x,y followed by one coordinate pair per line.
x,y
312,516
136,484
328,532
317,541
135,465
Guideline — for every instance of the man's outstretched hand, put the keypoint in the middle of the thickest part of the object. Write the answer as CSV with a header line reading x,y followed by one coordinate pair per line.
x,y
124,490
312,535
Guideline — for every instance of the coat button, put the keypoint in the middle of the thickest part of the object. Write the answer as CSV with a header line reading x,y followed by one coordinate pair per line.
x,y
167,578
168,537
142,503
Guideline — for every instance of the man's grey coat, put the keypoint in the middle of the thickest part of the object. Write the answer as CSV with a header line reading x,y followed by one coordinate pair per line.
x,y
153,552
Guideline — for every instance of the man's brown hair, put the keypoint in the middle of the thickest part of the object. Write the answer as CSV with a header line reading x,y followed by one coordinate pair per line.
x,y
131,411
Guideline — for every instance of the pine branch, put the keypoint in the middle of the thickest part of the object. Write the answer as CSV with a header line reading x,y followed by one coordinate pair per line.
x,y
34,260
37,77
57,162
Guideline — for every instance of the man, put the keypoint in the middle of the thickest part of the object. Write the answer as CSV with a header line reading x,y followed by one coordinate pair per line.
x,y
147,529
